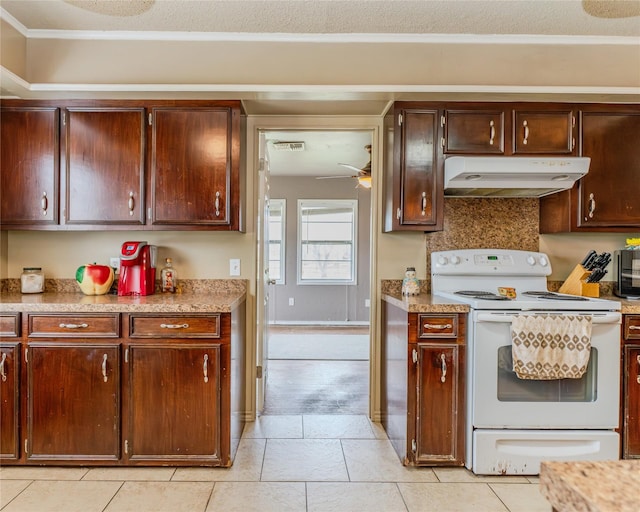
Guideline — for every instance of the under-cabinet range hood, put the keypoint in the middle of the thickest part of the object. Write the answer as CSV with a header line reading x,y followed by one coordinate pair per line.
x,y
503,176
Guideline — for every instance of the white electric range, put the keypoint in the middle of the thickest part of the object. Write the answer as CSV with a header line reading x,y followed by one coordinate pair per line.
x,y
514,424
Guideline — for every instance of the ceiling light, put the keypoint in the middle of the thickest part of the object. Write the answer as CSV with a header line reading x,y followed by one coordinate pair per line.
x,y
364,181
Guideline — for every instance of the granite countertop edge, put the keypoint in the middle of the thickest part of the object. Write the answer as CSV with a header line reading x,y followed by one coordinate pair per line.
x,y
220,302
427,303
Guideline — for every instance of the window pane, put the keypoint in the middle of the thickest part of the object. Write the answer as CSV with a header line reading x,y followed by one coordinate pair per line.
x,y
276,226
326,245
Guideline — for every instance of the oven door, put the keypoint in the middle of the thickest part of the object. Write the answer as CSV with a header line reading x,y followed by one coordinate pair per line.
x,y
502,400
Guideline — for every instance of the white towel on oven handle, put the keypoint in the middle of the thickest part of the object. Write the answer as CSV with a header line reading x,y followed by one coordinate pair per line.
x,y
550,347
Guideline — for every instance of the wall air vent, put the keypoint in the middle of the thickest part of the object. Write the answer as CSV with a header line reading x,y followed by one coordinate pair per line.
x,y
288,146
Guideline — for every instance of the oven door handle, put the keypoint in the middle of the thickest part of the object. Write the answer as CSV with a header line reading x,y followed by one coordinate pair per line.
x,y
596,318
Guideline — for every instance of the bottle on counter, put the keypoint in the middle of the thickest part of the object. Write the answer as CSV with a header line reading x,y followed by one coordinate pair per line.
x,y
32,280
169,277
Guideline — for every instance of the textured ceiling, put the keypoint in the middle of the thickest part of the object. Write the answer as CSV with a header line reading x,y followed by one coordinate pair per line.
x,y
548,17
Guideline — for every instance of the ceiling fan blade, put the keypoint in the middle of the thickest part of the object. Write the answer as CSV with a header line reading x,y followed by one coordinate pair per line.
x,y
333,177
352,167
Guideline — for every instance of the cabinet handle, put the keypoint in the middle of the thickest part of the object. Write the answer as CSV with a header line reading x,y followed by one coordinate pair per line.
x,y
525,124
131,203
414,355
492,132
217,204
443,368
424,203
2,371
205,367
73,326
44,203
174,326
435,326
592,205
398,214
634,328
104,367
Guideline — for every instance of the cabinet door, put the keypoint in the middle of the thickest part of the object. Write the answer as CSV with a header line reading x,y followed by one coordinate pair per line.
x,y
30,166
610,192
474,132
104,166
439,408
73,401
191,167
631,427
174,389
9,400
536,132
418,193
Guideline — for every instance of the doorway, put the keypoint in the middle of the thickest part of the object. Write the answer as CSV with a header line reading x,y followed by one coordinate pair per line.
x,y
316,252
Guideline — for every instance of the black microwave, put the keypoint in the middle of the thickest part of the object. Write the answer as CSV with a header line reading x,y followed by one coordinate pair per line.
x,y
626,265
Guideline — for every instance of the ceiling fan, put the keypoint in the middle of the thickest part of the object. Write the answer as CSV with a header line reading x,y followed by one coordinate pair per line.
x,y
363,175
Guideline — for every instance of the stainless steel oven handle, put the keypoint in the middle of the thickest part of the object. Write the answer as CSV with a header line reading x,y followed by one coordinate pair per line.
x,y
596,318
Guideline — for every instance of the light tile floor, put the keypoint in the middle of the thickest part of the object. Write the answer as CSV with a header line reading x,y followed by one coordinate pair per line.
x,y
306,463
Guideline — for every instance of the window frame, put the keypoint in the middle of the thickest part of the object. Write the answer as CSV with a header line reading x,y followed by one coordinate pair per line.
x,y
283,234
337,203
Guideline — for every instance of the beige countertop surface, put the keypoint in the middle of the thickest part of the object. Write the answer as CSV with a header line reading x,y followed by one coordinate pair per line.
x,y
223,301
591,486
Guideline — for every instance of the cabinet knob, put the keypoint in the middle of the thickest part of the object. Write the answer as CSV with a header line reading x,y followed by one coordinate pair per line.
x,y
44,203
217,204
131,203
443,368
2,370
525,125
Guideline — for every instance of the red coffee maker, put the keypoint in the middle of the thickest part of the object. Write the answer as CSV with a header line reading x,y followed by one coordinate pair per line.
x,y
137,269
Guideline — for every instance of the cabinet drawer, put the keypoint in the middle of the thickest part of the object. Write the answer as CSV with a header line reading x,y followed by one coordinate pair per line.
x,y
10,325
74,326
161,326
632,327
437,326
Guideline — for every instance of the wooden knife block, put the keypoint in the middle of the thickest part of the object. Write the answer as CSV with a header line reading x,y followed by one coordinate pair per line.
x,y
575,284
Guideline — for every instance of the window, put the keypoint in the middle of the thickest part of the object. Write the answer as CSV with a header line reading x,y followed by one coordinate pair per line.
x,y
277,212
327,241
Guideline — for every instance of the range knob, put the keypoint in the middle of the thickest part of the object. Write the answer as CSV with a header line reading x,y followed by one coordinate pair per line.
x,y
442,260
455,259
531,260
543,261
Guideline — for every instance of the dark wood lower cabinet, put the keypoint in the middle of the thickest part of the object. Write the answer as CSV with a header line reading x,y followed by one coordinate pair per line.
x,y
9,400
122,389
631,388
73,397
423,394
174,389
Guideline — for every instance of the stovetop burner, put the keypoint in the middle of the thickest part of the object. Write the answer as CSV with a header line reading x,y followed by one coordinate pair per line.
x,y
553,296
481,295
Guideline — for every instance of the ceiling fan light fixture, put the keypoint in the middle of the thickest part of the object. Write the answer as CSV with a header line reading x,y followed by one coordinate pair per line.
x,y
364,181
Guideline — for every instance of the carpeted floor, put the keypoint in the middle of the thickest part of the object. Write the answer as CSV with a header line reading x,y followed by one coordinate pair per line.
x,y
317,372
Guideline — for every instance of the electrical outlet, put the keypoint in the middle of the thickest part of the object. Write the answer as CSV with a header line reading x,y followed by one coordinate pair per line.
x,y
291,301
367,303
234,267
114,262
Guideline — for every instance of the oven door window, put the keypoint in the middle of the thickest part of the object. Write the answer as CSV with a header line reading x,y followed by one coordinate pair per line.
x,y
513,389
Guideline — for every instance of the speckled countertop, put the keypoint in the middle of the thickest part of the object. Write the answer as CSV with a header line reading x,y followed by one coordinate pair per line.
x,y
586,486
425,304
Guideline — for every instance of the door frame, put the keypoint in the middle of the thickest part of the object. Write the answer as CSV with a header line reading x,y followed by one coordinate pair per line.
x,y
257,124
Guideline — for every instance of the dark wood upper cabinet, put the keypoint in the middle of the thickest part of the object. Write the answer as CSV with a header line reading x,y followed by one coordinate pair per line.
x,y
104,166
30,166
194,167
474,131
413,184
538,132
606,199
610,192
